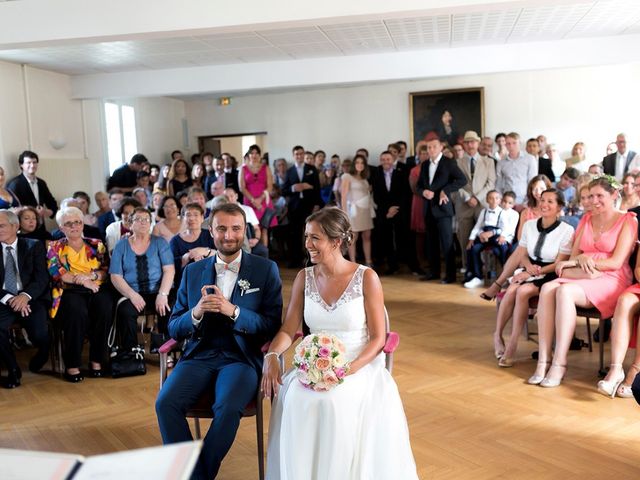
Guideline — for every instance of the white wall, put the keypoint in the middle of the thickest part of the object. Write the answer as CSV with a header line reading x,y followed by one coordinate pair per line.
x,y
159,125
590,104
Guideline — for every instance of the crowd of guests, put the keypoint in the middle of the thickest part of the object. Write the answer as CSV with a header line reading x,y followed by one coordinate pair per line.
x,y
477,196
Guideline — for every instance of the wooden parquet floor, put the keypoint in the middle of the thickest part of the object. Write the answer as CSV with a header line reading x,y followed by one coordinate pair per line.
x,y
468,419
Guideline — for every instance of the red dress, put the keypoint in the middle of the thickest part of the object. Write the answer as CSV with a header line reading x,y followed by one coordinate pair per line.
x,y
604,291
417,203
256,184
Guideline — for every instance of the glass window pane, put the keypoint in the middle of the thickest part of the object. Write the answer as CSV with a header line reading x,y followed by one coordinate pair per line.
x,y
114,148
129,132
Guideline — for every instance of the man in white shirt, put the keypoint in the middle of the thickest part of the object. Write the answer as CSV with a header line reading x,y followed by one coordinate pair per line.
x,y
228,305
516,169
621,161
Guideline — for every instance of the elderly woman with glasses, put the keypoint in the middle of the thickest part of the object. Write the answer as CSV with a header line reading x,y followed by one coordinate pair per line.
x,y
193,243
82,301
142,271
120,228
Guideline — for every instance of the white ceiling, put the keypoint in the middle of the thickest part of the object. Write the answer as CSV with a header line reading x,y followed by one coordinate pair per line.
x,y
497,24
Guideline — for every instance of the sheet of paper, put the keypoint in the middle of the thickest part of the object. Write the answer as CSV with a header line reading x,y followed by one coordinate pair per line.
x,y
30,465
170,462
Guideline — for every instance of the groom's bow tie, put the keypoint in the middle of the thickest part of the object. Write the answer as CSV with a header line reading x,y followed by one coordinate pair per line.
x,y
223,267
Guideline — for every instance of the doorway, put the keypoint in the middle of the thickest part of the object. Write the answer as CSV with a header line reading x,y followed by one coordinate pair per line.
x,y
235,145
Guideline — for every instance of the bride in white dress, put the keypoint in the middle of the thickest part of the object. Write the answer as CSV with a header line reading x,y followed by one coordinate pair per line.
x,y
357,430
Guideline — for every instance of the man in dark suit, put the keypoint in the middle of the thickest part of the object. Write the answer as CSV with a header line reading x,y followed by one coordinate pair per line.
x,y
439,178
23,295
302,188
215,175
125,177
390,187
622,161
30,189
227,307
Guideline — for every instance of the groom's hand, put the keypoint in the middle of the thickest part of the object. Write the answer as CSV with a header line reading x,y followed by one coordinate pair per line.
x,y
206,302
221,304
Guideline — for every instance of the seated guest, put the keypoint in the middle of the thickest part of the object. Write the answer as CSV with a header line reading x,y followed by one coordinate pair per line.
x,y
197,175
102,202
142,271
179,177
83,203
170,222
192,243
629,197
28,217
8,199
595,169
197,195
156,200
24,295
32,190
88,231
536,186
577,159
125,177
82,300
141,195
567,183
494,229
574,213
252,235
143,180
118,229
597,273
223,330
544,242
115,197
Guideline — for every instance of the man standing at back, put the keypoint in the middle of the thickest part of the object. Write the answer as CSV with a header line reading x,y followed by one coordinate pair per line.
x,y
516,169
31,190
439,178
471,199
622,161
125,177
227,307
302,188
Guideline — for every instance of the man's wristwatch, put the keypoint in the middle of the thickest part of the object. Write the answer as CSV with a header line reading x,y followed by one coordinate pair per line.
x,y
236,313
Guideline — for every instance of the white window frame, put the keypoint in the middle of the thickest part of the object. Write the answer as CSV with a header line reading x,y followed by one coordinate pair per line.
x,y
111,166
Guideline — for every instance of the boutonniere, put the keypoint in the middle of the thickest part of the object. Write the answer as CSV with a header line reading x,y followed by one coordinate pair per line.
x,y
244,286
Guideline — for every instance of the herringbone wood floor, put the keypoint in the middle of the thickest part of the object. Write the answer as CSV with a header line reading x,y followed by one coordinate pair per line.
x,y
468,419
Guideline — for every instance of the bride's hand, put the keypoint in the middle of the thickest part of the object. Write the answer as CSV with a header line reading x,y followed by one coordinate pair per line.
x,y
271,376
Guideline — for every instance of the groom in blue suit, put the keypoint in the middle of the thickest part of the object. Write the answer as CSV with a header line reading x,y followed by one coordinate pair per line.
x,y
227,307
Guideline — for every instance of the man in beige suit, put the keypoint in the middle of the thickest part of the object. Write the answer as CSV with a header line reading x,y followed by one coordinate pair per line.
x,y
471,199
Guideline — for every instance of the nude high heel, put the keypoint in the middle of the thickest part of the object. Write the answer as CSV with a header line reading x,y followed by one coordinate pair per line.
x,y
551,383
610,387
537,379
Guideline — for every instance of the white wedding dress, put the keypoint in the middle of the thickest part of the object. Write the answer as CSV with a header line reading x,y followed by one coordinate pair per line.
x,y
357,430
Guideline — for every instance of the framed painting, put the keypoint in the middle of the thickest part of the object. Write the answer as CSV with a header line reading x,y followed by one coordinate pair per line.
x,y
446,114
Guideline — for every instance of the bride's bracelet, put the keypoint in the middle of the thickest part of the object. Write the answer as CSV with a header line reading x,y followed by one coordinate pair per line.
x,y
277,355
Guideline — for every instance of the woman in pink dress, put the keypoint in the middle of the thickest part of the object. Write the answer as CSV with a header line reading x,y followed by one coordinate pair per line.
x,y
595,275
256,181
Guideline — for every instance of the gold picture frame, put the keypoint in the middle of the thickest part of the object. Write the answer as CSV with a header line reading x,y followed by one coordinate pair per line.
x,y
427,116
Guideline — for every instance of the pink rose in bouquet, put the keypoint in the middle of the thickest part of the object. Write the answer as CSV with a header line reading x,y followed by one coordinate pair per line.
x,y
320,363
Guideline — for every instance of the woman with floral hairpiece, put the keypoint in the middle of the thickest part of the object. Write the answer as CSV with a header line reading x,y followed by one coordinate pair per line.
x,y
595,275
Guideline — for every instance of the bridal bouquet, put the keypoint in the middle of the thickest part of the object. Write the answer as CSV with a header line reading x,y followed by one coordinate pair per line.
x,y
320,362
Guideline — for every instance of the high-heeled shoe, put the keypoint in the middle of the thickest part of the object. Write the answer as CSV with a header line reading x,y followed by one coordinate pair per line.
x,y
553,382
498,350
537,379
610,387
505,362
624,391
488,297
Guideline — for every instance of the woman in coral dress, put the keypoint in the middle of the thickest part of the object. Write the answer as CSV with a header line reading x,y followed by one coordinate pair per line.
x,y
595,275
358,429
256,182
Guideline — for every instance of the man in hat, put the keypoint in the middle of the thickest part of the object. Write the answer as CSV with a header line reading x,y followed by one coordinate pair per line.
x,y
480,173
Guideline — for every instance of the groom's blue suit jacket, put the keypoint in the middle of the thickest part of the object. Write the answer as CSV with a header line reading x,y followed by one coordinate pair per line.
x,y
260,305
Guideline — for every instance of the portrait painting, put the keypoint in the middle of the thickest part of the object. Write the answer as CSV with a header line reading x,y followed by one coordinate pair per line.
x,y
446,114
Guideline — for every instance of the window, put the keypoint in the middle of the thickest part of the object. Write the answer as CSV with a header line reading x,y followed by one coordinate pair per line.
x,y
122,143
